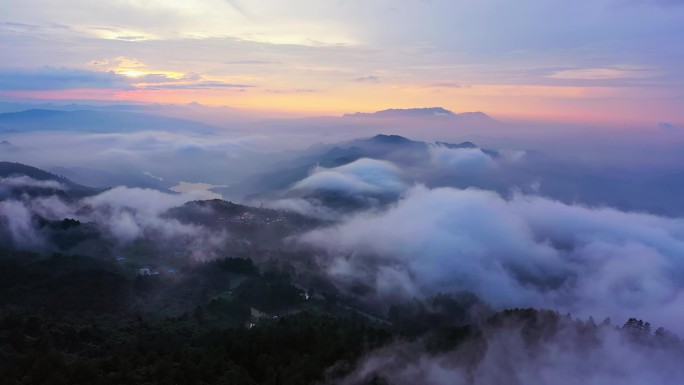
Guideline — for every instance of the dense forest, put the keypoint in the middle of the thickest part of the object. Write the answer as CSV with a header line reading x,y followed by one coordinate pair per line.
x,y
78,320
69,319
134,286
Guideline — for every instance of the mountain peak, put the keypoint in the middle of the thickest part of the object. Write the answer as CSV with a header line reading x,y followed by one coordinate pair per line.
x,y
389,139
468,145
403,113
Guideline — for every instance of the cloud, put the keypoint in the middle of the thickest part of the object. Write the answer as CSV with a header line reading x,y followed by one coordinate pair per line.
x,y
18,221
525,251
238,7
50,78
566,355
25,181
164,78
364,176
331,193
127,75
203,85
129,214
292,91
513,43
123,215
127,62
367,79
144,201
599,74
447,85
468,160
310,208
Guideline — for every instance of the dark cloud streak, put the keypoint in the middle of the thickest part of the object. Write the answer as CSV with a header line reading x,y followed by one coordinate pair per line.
x,y
50,78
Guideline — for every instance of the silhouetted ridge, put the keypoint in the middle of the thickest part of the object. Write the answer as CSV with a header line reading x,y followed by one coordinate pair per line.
x,y
390,139
9,169
456,146
405,112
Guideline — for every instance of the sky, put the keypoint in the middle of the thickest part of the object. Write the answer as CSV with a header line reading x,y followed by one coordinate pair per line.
x,y
613,61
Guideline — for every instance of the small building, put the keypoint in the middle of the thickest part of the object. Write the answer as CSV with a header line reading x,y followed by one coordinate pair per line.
x,y
257,314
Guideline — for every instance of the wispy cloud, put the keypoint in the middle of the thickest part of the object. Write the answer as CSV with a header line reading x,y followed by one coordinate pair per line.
x,y
238,7
447,85
201,85
367,79
599,74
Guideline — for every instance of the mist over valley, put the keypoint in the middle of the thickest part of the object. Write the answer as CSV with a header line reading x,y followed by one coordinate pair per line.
x,y
342,193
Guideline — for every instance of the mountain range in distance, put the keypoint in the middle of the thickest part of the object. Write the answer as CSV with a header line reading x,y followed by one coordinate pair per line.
x,y
429,112
132,118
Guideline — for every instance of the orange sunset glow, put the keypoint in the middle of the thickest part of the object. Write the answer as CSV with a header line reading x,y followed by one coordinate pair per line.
x,y
341,58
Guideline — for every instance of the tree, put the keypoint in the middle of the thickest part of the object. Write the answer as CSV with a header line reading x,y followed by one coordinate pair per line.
x,y
198,314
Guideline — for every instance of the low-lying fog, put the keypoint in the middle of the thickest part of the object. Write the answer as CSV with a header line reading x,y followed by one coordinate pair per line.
x,y
579,220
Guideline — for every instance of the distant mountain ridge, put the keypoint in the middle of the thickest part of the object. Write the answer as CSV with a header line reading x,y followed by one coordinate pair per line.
x,y
429,112
11,169
403,112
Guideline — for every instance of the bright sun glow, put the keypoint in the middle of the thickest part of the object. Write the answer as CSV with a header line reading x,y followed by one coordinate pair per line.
x,y
132,73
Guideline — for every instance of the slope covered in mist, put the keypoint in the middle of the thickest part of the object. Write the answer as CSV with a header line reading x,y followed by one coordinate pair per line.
x,y
423,245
